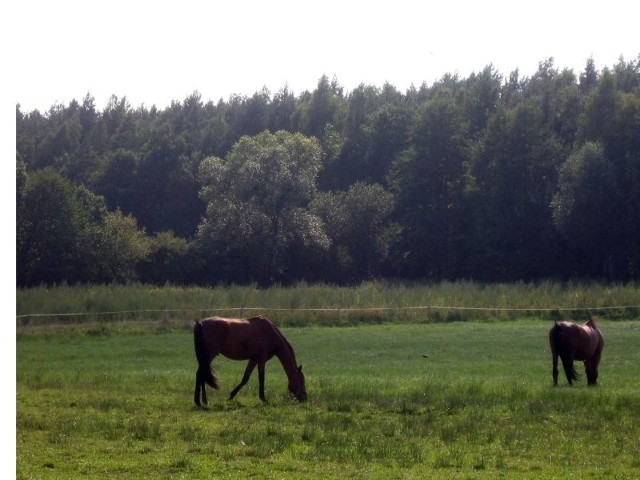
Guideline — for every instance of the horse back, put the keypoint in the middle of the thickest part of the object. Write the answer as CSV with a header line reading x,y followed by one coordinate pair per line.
x,y
581,341
242,339
214,331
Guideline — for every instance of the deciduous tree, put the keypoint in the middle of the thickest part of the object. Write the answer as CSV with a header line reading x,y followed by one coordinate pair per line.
x,y
587,207
257,203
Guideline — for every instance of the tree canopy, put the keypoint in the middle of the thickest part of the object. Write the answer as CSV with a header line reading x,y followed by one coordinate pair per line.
x,y
488,177
258,204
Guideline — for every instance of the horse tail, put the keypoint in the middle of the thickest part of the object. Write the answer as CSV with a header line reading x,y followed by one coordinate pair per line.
x,y
204,366
563,352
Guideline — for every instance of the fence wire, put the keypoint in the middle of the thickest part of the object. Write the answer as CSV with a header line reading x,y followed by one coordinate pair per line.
x,y
333,309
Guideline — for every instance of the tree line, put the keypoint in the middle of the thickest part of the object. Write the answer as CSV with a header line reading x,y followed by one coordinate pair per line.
x,y
488,177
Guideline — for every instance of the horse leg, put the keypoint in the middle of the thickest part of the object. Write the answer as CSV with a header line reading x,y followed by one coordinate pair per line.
x,y
588,369
569,370
196,394
591,368
203,385
201,382
261,366
245,378
555,370
594,375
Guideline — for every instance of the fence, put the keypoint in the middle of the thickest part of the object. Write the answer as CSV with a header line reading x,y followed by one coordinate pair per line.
x,y
335,316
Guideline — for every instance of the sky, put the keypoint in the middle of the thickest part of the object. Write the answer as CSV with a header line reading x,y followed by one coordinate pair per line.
x,y
154,53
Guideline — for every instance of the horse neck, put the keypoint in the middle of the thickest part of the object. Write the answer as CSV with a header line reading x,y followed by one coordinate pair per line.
x,y
286,357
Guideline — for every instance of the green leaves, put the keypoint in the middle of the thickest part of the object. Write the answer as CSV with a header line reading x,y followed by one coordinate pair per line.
x,y
587,208
257,201
357,222
65,234
473,165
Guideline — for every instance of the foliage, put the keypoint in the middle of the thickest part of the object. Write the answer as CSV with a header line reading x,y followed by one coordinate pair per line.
x,y
118,247
66,234
587,202
514,175
257,203
170,258
477,170
356,222
429,181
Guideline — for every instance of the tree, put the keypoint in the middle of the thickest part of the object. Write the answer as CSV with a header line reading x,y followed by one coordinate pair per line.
x,y
28,130
627,75
116,180
170,260
257,204
51,227
587,208
481,98
323,107
387,131
21,184
358,223
65,234
282,109
429,181
216,135
472,164
557,94
348,166
166,185
514,175
623,148
117,247
600,109
588,78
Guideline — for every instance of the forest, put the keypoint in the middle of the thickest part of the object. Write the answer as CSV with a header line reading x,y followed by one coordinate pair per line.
x,y
490,178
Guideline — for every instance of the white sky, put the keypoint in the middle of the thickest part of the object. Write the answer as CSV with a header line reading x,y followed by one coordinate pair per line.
x,y
156,52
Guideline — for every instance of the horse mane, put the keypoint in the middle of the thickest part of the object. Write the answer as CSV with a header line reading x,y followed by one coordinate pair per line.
x,y
281,336
286,342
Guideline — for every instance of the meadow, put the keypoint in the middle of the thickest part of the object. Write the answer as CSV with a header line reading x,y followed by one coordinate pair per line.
x,y
441,400
313,305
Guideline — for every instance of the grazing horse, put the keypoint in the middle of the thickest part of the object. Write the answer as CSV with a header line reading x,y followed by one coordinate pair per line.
x,y
255,339
570,342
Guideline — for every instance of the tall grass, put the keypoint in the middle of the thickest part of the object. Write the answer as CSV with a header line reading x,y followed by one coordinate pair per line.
x,y
304,304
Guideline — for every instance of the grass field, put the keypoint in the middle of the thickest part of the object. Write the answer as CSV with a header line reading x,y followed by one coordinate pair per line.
x,y
435,400
306,305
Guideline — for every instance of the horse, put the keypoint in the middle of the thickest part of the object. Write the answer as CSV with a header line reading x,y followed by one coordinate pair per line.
x,y
255,339
570,342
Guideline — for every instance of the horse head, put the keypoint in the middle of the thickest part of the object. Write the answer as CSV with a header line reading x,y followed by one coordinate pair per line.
x,y
296,385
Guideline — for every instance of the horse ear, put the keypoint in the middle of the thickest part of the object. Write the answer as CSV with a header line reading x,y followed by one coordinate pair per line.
x,y
300,369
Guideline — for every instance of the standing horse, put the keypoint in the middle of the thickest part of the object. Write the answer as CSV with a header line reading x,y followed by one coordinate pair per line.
x,y
570,342
255,339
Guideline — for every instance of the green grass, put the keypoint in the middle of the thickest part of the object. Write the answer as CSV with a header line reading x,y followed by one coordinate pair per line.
x,y
443,400
305,305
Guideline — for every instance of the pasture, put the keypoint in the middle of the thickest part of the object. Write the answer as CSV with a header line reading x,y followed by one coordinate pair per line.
x,y
433,400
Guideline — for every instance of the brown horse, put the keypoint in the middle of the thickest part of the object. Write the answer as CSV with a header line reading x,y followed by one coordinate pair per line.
x,y
255,339
572,342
